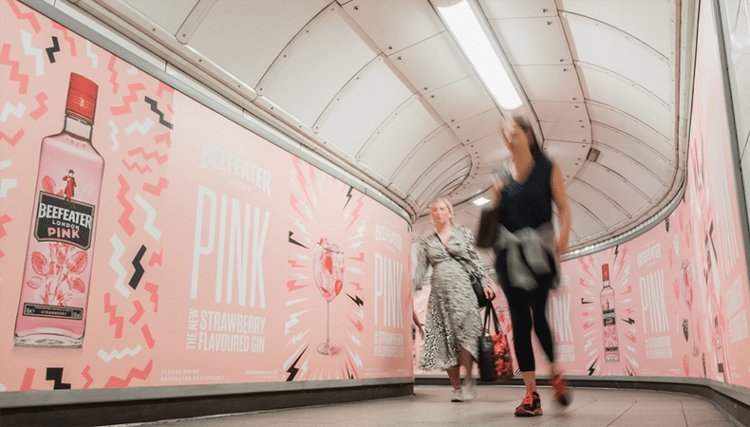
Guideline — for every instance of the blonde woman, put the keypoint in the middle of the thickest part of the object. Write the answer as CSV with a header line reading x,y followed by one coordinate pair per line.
x,y
452,322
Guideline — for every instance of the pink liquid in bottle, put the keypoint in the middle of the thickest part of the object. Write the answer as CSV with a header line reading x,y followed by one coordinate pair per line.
x,y
57,273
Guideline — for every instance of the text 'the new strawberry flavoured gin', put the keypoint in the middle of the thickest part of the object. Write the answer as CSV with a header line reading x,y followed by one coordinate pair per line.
x,y
57,273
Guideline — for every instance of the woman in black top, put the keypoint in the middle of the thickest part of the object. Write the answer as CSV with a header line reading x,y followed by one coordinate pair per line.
x,y
528,252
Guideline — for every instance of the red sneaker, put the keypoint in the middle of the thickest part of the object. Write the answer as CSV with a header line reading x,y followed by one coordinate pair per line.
x,y
563,395
530,405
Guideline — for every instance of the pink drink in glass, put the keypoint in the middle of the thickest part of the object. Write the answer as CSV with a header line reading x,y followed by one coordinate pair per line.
x,y
57,273
328,273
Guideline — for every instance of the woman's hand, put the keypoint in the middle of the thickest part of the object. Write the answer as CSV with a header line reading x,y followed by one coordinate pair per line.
x,y
489,293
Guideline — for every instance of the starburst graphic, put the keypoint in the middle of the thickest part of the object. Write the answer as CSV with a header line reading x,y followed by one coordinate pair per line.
x,y
324,208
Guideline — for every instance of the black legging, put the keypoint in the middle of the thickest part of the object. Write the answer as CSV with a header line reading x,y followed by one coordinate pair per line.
x,y
522,304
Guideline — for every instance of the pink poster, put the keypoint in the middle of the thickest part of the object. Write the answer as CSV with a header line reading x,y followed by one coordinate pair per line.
x,y
146,240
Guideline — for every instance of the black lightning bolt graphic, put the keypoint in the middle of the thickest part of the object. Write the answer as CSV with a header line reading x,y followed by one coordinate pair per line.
x,y
158,112
51,53
349,196
617,249
357,301
586,302
294,241
56,374
293,369
349,374
138,268
592,367
629,320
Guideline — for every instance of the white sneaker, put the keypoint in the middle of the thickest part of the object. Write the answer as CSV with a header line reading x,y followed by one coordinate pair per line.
x,y
458,395
468,390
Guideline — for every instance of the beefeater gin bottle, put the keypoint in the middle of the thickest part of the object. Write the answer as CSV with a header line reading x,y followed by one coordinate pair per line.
x,y
57,273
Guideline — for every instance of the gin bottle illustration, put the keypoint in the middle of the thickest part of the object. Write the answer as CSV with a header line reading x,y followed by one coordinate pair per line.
x,y
607,297
57,273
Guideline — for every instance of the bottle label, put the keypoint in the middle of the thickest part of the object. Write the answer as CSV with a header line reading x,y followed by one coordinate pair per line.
x,y
64,220
43,310
609,317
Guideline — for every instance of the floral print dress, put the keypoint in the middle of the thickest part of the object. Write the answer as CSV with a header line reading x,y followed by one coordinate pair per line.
x,y
452,319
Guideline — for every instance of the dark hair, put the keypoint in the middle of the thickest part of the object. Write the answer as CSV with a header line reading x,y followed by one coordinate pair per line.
x,y
525,126
71,171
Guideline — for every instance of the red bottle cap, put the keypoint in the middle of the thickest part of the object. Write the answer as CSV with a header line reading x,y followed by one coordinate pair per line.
x,y
82,94
605,272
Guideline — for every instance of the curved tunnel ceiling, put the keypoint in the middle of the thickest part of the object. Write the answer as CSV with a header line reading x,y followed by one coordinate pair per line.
x,y
381,87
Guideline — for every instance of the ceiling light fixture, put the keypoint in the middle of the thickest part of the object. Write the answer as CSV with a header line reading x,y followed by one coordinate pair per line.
x,y
481,201
473,39
593,155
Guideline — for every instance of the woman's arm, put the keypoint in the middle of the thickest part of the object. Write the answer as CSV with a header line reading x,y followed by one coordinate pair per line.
x,y
561,201
419,265
476,263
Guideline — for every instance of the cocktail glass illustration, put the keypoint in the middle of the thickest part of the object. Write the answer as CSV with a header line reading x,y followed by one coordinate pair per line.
x,y
328,273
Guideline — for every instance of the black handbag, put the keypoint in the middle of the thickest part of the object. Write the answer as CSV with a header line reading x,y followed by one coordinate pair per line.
x,y
488,228
486,361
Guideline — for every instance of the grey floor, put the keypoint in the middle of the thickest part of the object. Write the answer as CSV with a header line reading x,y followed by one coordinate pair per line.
x,y
494,405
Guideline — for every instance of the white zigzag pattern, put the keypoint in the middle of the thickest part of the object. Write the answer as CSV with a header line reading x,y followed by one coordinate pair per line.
x,y
142,128
295,339
114,262
113,135
132,71
5,185
293,320
114,354
355,357
356,341
30,50
94,57
303,369
289,361
10,109
2,387
150,217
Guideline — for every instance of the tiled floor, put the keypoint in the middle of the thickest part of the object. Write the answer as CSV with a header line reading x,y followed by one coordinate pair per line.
x,y
494,405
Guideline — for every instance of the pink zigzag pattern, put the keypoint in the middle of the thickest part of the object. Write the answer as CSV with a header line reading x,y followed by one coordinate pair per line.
x,y
148,156
89,378
165,138
113,76
155,258
115,382
29,16
28,379
114,319
128,208
163,88
135,165
138,312
39,112
156,189
147,336
355,213
3,220
128,99
66,36
15,76
153,289
14,139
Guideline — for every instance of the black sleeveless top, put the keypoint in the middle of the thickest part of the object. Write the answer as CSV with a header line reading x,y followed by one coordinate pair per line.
x,y
528,204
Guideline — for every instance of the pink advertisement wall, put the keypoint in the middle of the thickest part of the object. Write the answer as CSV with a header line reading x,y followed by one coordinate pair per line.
x,y
200,254
679,291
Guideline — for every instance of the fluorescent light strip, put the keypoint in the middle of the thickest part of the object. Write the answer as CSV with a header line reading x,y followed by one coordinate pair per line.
x,y
481,201
463,23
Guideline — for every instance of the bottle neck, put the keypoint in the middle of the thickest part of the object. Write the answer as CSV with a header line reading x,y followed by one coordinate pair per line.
x,y
78,128
605,284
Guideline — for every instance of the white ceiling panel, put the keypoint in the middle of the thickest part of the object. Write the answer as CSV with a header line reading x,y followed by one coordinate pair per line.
x,y
600,204
453,164
363,105
585,223
637,150
561,111
617,119
397,138
619,94
646,20
601,46
479,126
648,182
460,100
566,150
568,130
498,9
569,167
394,25
422,63
309,73
489,151
168,14
245,37
545,34
550,82
424,155
616,187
